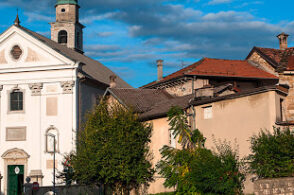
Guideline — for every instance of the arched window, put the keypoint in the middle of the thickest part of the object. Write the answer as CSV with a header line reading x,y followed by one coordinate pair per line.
x,y
51,134
16,100
62,37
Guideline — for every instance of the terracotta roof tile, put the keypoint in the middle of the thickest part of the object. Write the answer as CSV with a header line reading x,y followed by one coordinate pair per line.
x,y
219,68
229,68
280,59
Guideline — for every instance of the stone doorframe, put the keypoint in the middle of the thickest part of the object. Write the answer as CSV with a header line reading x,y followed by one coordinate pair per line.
x,y
14,156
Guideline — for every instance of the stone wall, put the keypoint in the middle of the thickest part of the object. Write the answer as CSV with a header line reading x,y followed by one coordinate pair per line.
x,y
279,186
259,62
72,190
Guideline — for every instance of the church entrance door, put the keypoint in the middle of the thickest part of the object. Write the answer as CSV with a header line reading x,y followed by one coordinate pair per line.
x,y
15,179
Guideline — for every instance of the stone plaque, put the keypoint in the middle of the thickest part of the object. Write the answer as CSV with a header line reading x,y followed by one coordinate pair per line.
x,y
49,164
51,106
16,134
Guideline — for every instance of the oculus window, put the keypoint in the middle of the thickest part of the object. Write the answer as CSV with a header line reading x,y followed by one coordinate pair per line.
x,y
16,100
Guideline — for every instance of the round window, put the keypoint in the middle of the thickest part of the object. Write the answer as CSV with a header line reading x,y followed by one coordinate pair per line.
x,y
16,52
62,10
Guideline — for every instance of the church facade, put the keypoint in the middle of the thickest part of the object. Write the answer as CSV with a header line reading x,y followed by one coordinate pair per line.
x,y
46,87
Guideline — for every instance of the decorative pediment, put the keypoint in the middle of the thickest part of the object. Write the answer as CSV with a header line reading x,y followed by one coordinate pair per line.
x,y
33,56
15,153
18,49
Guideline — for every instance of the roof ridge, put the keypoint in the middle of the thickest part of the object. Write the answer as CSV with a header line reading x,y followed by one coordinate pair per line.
x,y
225,59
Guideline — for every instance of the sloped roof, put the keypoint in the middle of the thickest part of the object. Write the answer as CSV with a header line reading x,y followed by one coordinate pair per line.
x,y
210,67
279,59
160,109
141,100
149,103
94,69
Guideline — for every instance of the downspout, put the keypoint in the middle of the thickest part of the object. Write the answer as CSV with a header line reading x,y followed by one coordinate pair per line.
x,y
193,108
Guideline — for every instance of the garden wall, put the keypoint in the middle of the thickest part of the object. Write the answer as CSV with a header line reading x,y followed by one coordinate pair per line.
x,y
279,186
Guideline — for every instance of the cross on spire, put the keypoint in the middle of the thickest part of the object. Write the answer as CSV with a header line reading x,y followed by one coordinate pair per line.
x,y
17,21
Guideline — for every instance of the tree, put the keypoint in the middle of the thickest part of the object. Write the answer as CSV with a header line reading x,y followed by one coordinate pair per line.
x,y
272,153
67,174
113,150
194,169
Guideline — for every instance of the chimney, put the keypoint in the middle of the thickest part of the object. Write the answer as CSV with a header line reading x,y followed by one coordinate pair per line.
x,y
112,83
159,70
283,39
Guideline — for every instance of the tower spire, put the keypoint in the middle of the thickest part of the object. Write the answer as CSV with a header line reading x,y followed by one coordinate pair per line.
x,y
17,21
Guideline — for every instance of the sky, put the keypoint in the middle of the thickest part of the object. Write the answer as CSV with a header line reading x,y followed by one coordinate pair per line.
x,y
128,36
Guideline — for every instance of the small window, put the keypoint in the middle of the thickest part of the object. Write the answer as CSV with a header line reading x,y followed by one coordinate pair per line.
x,y
16,100
62,10
62,37
207,111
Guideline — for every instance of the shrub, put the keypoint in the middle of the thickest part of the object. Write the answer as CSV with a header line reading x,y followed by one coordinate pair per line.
x,y
113,150
272,153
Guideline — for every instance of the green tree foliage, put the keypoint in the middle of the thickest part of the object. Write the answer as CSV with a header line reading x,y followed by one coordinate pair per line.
x,y
113,150
194,169
68,173
273,153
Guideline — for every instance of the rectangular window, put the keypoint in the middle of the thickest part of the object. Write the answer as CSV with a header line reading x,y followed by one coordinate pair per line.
x,y
207,111
16,101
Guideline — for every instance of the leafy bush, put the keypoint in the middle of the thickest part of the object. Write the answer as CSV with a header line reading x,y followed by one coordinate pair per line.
x,y
196,170
113,150
272,153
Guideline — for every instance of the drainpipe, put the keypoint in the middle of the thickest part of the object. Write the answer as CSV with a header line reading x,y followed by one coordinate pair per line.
x,y
193,108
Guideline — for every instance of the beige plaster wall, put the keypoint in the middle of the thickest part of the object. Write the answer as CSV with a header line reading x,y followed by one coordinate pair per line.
x,y
160,137
238,119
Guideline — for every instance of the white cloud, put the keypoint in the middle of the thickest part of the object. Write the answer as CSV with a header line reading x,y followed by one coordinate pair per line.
x,y
215,2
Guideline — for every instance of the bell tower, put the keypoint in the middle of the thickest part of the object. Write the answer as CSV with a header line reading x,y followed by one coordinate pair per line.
x,y
67,30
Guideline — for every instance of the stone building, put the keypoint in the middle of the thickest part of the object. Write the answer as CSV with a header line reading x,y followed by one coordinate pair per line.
x,y
46,86
279,62
215,72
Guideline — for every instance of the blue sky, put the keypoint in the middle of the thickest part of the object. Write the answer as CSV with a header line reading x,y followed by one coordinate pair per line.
x,y
128,36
